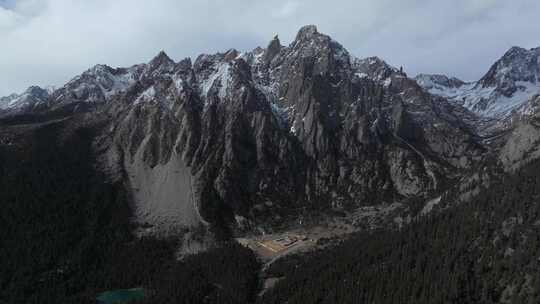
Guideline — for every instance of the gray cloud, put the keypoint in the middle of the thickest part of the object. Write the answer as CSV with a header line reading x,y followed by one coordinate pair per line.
x,y
50,41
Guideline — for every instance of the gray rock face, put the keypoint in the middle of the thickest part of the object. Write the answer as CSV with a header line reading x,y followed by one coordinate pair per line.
x,y
373,68
273,49
437,81
305,125
522,143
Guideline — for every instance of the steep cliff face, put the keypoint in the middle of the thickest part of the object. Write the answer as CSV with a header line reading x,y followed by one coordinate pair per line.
x,y
235,136
521,145
204,130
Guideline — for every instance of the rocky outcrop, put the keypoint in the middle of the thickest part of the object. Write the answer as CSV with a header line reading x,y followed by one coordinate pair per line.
x,y
439,82
522,142
374,68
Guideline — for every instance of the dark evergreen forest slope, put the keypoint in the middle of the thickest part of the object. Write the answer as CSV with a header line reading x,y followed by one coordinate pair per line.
x,y
65,232
484,251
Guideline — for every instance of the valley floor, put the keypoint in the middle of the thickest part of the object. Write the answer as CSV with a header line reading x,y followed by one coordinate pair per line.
x,y
321,232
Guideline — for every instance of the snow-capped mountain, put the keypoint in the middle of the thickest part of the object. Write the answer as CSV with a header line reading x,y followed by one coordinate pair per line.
x,y
26,101
96,85
317,124
439,84
505,88
374,68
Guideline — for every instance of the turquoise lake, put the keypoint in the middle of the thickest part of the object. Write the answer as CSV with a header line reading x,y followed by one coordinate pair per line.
x,y
120,296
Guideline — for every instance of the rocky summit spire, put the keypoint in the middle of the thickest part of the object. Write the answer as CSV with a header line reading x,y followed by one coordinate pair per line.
x,y
160,59
231,55
274,47
160,64
306,32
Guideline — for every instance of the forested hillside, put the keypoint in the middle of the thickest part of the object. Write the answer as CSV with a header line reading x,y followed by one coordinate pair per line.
x,y
484,251
65,233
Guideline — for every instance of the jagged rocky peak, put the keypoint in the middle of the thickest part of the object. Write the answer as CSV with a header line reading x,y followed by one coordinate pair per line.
x,y
511,81
203,61
96,85
274,47
374,68
315,53
37,92
430,81
504,89
99,69
310,43
312,73
160,59
185,64
28,99
160,64
307,32
231,55
99,83
517,65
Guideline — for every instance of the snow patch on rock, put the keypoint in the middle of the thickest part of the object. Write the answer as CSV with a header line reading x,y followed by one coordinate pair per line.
x,y
221,77
429,205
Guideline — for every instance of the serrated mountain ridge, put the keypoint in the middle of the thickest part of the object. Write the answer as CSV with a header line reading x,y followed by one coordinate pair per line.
x,y
300,126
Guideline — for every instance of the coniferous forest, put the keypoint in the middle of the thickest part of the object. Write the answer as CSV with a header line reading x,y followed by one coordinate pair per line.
x,y
484,251
65,235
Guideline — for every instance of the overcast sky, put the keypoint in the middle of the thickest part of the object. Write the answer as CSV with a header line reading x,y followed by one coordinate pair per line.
x,y
46,42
